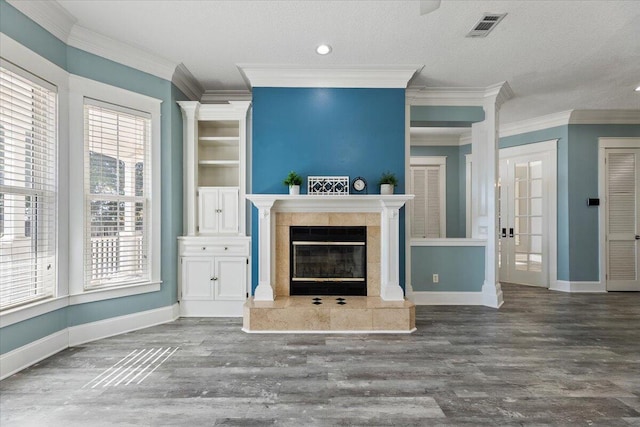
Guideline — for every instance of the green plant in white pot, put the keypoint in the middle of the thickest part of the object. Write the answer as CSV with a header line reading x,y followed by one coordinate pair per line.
x,y
387,182
293,181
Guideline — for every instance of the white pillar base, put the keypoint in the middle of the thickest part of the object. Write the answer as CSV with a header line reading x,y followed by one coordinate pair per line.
x,y
263,292
391,292
492,295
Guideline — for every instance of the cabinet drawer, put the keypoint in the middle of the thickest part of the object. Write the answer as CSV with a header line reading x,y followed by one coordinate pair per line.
x,y
240,248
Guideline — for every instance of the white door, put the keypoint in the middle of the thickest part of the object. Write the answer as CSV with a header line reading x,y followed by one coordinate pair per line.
x,y
230,278
523,217
622,187
228,210
208,210
197,278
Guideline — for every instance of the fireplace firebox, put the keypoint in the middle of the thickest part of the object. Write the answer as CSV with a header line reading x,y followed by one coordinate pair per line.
x,y
328,260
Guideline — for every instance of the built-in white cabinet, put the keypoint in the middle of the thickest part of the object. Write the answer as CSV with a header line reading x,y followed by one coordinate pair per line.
x,y
214,253
218,210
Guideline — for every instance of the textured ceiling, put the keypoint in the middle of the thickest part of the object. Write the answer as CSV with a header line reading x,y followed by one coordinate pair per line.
x,y
556,55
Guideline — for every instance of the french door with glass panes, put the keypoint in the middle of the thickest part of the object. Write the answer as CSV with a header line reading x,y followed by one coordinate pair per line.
x,y
523,220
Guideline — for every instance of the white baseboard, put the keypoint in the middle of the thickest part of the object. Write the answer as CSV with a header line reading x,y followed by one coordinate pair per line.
x,y
119,325
249,331
211,308
25,356
446,298
578,287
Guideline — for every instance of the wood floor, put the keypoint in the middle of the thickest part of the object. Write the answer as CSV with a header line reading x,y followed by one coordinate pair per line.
x,y
545,358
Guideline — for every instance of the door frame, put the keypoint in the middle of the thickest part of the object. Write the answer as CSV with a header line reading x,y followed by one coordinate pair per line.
x,y
549,147
605,143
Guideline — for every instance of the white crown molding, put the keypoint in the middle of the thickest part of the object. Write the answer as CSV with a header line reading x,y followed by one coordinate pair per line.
x,y
451,96
212,96
123,53
465,139
605,117
187,83
537,123
500,93
257,75
572,117
435,140
49,15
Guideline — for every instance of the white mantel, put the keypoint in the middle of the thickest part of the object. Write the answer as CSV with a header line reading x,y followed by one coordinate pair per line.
x,y
388,206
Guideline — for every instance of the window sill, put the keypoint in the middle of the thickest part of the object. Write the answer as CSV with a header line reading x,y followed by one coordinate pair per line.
x,y
123,291
29,311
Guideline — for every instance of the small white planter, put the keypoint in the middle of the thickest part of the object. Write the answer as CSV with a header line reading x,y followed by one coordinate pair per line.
x,y
386,189
294,189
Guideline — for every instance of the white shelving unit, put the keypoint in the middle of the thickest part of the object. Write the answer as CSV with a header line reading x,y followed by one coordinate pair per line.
x,y
214,253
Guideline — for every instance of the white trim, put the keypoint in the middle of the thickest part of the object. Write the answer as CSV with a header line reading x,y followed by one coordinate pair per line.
x,y
187,83
605,143
467,195
383,76
211,95
25,356
190,308
426,140
449,241
537,123
445,298
49,15
122,324
428,161
579,287
605,117
571,117
365,331
26,312
79,88
120,52
109,293
459,96
550,148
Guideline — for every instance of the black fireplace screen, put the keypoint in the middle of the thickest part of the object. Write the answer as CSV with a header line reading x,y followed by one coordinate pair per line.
x,y
328,261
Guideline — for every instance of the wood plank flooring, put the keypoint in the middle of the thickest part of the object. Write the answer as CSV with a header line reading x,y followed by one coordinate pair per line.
x,y
545,358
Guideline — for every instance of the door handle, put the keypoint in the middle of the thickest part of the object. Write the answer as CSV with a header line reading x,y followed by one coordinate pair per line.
x,y
504,232
511,232
214,278
637,237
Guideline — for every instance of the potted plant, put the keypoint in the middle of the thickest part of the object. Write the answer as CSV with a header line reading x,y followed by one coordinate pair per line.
x,y
293,180
387,182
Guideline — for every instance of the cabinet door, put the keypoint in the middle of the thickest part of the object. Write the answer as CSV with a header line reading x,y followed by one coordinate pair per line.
x,y
228,210
208,210
231,278
197,275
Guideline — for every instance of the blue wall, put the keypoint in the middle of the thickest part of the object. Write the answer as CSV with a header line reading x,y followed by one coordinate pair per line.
x,y
22,29
456,184
323,131
446,261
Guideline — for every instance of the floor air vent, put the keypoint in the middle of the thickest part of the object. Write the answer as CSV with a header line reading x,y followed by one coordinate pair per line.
x,y
486,24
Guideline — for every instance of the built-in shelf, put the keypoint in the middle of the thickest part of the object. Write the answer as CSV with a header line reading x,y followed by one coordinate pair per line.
x,y
228,163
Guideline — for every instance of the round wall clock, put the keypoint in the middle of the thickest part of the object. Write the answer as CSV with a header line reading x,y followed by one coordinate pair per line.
x,y
359,184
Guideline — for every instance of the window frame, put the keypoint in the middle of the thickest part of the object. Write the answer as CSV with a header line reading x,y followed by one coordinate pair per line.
x,y
81,89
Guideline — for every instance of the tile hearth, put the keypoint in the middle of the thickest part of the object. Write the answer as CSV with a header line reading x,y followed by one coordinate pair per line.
x,y
329,314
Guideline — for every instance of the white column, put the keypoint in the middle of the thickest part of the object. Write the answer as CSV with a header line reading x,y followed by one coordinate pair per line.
x,y
190,164
266,251
390,289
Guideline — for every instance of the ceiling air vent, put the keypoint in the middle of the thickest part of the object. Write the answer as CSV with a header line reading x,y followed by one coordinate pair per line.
x,y
486,24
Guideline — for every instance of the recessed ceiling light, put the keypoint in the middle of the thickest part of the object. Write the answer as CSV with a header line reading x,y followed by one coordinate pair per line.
x,y
323,49
638,89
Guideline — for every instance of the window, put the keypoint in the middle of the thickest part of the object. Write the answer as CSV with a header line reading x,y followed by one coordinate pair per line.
x,y
117,195
428,207
28,152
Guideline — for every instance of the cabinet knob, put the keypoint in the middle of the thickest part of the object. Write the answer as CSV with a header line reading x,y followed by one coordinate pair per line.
x,y
204,248
214,278
226,248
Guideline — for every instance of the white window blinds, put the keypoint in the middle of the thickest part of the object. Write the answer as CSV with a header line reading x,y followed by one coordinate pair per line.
x,y
427,207
117,195
27,187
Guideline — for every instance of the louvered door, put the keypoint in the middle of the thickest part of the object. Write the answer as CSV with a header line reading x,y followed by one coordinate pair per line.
x,y
622,171
427,218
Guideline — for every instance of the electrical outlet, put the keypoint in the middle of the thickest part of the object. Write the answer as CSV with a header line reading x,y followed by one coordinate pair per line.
x,y
436,279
